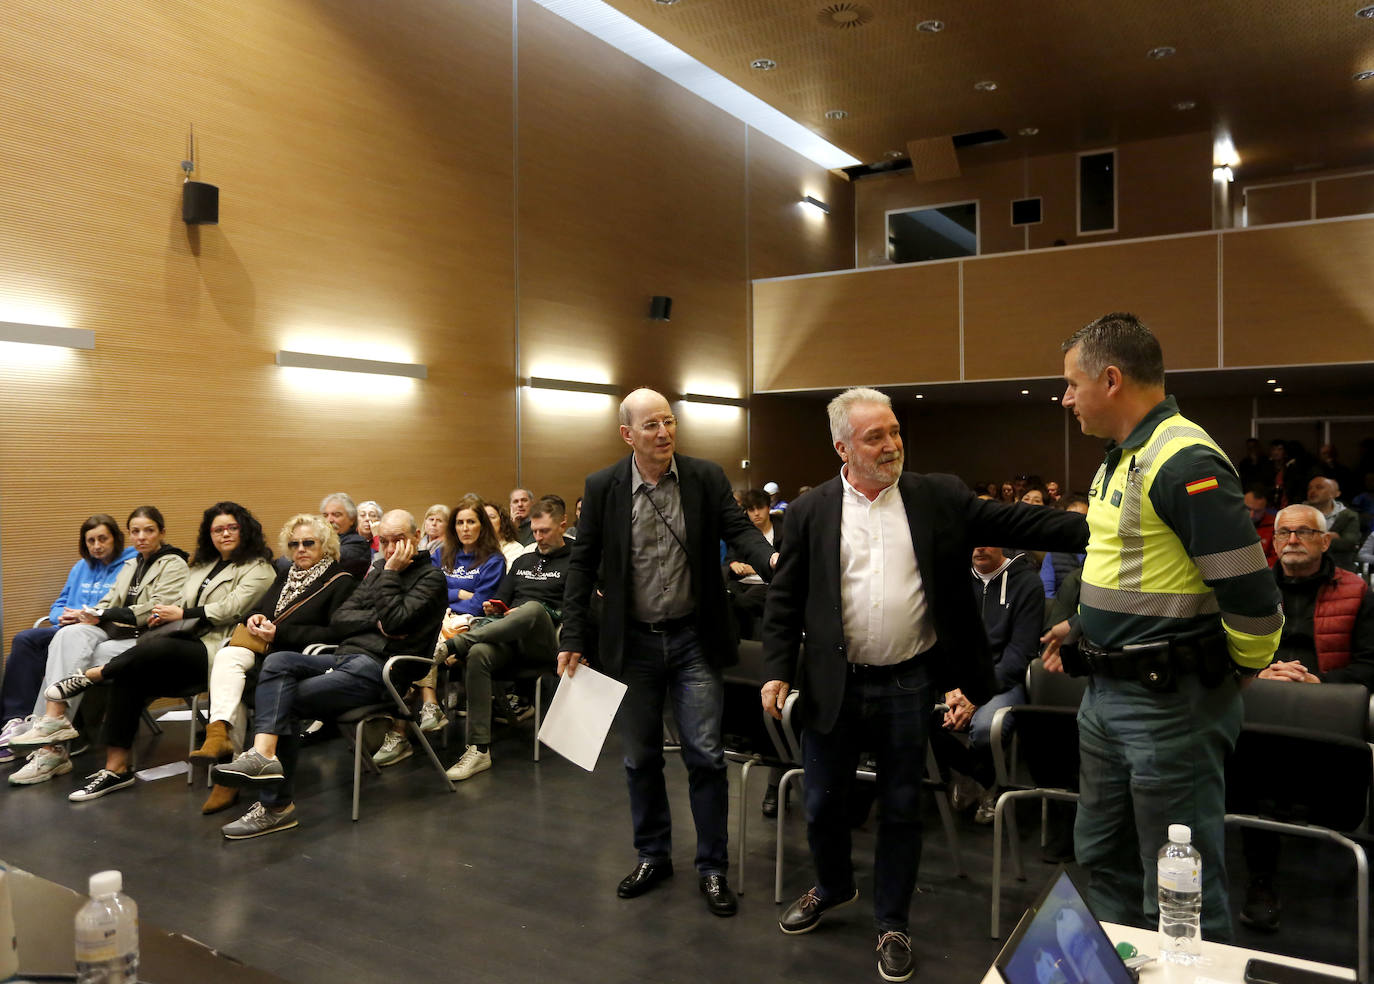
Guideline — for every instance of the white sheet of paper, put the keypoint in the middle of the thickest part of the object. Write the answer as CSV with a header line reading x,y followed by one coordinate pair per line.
x,y
175,715
581,714
164,771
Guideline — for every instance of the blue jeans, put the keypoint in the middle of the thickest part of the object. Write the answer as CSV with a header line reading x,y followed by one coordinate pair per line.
x,y
980,725
24,669
1149,760
886,713
294,685
671,665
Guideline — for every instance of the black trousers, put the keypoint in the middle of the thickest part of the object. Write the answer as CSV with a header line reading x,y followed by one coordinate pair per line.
x,y
165,667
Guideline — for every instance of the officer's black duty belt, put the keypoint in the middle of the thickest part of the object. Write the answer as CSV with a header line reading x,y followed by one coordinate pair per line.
x,y
1156,665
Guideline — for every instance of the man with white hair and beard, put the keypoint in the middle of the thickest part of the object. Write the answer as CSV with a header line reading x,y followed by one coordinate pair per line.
x,y
875,573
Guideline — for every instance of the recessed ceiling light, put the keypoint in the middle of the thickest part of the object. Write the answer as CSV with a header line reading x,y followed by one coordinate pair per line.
x,y
1363,76
1278,389
893,155
763,64
1163,51
1054,399
1366,12
1028,131
1025,392
1183,105
936,26
920,396
1271,382
665,3
987,85
835,114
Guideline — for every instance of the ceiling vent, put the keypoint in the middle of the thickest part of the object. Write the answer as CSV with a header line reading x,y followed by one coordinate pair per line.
x,y
844,16
978,138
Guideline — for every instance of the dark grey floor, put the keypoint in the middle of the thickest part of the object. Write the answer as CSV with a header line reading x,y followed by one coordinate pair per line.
x,y
512,879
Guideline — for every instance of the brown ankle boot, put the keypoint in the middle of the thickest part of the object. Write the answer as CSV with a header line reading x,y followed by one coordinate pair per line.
x,y
217,747
220,798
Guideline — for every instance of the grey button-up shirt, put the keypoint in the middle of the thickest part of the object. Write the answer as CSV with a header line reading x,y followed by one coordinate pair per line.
x,y
660,576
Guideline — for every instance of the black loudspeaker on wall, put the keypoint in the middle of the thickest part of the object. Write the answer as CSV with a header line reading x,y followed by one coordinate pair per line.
x,y
661,308
199,203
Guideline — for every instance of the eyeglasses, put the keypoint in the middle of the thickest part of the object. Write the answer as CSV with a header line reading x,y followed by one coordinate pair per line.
x,y
224,530
652,426
1302,532
297,544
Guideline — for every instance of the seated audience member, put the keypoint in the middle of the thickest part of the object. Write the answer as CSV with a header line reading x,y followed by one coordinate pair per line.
x,y
432,529
229,573
472,566
1009,596
571,533
1056,566
103,553
553,500
1330,466
776,503
355,552
505,532
1052,493
520,502
523,632
1366,554
369,515
1343,524
1255,468
1315,591
1007,492
396,610
1034,496
746,590
293,614
153,577
1257,501
1364,502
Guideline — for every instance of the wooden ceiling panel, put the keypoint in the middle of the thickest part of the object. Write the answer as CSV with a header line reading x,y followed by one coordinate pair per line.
x,y
1274,74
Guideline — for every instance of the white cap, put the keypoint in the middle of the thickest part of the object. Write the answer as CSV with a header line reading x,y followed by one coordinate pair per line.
x,y
770,487
106,883
1180,833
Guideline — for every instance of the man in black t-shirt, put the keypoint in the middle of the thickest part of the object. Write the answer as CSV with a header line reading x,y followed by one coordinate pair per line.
x,y
521,627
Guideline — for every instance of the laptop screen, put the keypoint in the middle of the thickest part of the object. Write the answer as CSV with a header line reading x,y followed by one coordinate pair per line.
x,y
1059,941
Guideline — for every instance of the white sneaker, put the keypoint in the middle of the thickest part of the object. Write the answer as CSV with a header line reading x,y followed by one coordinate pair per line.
x,y
394,749
43,764
14,726
45,731
470,764
432,718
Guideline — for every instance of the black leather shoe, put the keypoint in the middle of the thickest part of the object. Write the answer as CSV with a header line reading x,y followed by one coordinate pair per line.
x,y
720,897
803,915
770,802
895,962
646,875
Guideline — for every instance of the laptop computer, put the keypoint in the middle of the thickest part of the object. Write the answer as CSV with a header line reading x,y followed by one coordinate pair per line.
x,y
1060,941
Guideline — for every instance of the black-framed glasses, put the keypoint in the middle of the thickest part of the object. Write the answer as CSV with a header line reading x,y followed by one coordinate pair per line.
x,y
1301,532
297,544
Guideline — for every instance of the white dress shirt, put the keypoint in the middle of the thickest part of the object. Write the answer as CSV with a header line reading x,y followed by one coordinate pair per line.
x,y
886,619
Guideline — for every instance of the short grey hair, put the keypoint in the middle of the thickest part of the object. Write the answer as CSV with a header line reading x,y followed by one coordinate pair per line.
x,y
1320,517
322,531
341,497
374,504
625,418
841,430
438,509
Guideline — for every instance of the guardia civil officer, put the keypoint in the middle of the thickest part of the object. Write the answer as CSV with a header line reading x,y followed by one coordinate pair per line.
x,y
1177,607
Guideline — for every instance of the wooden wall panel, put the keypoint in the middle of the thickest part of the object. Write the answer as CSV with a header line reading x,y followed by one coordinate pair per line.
x,y
350,219
1018,309
1163,187
786,237
1278,203
1353,195
882,326
1299,294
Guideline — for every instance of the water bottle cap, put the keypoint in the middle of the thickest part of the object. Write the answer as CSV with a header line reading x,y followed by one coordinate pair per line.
x,y
1180,833
106,883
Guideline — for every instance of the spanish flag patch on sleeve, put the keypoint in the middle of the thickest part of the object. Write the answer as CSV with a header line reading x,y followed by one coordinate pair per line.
x,y
1201,485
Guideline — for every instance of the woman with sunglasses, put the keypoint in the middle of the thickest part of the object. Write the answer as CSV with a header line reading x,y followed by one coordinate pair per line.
x,y
295,613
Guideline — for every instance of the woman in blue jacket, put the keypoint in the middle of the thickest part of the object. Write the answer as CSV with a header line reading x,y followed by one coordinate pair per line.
x,y
102,554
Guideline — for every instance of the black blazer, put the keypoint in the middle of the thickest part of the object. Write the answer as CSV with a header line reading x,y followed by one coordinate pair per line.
x,y
602,548
309,623
731,556
947,521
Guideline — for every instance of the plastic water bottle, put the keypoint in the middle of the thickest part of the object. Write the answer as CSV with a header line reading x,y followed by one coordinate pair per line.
x,y
1180,897
107,933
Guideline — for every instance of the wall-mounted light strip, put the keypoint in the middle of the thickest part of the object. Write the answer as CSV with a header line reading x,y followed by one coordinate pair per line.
x,y
75,338
723,401
816,203
574,385
310,360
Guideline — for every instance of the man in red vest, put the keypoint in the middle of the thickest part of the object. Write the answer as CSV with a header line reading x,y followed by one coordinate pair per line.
x,y
1328,637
